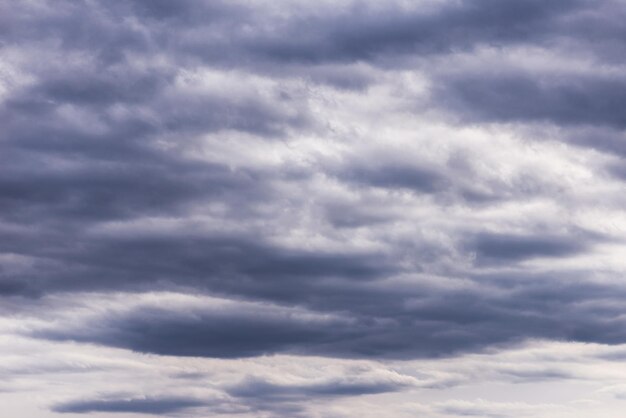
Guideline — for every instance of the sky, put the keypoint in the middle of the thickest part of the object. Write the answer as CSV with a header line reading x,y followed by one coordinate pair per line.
x,y
329,209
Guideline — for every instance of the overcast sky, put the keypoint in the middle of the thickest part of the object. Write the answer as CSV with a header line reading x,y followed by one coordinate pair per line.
x,y
313,209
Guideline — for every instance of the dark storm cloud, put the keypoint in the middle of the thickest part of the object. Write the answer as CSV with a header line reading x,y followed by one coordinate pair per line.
x,y
510,247
92,89
232,265
601,138
184,10
112,191
364,32
618,170
153,406
398,176
13,287
107,31
262,390
35,114
55,171
221,334
287,399
356,31
109,126
455,181
151,150
401,324
562,99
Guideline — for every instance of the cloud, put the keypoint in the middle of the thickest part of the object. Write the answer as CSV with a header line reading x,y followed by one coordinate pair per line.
x,y
484,408
230,332
153,406
368,32
344,32
234,184
513,96
439,324
509,247
261,389
395,176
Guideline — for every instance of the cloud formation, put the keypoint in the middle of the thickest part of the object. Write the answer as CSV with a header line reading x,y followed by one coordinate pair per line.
x,y
235,183
160,406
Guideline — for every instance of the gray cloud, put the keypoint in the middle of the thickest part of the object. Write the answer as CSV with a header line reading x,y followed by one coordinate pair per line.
x,y
384,324
367,32
92,142
510,247
264,393
343,33
518,97
153,406
358,180
401,177
222,334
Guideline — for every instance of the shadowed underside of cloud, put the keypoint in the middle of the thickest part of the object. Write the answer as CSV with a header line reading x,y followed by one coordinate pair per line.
x,y
397,176
153,406
250,394
362,33
424,323
345,32
561,99
224,265
510,248
262,390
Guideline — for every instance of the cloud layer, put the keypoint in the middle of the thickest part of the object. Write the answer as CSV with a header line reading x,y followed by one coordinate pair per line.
x,y
398,185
